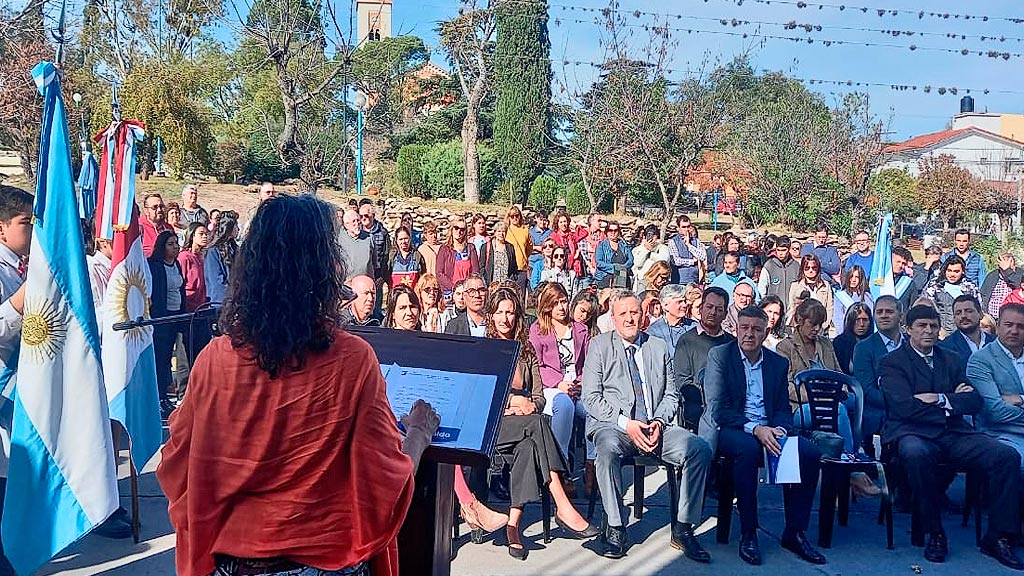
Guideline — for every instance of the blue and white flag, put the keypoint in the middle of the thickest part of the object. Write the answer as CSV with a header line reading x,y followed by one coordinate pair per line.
x,y
88,180
881,267
61,482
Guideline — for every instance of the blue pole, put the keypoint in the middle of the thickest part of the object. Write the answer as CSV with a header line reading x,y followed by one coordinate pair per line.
x,y
359,152
714,213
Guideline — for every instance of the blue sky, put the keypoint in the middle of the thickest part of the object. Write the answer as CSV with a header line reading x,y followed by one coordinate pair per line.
x,y
575,37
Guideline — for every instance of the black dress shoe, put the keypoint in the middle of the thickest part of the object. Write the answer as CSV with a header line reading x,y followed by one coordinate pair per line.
x,y
614,543
937,548
1001,550
683,539
797,543
750,551
589,532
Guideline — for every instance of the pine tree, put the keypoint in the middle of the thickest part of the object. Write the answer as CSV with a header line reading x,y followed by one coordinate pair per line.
x,y
522,70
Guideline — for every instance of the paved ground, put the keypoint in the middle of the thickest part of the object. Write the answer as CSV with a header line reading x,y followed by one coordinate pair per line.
x,y
858,549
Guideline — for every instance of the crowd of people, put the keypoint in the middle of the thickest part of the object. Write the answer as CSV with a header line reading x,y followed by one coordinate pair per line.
x,y
675,349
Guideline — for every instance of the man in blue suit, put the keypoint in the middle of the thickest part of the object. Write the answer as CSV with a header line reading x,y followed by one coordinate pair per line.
x,y
867,357
997,372
747,389
928,396
968,337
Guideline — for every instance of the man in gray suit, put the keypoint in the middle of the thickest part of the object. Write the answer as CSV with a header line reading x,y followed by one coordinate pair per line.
x,y
631,396
997,373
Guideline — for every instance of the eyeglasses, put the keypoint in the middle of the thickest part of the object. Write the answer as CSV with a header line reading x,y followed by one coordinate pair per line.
x,y
613,229
558,256
432,290
459,228
810,267
476,291
155,207
365,216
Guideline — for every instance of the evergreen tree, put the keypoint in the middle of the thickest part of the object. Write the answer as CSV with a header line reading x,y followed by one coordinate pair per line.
x,y
522,76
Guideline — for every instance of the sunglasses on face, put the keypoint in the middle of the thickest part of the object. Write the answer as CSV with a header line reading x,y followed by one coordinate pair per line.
x,y
459,228
558,256
432,290
810,267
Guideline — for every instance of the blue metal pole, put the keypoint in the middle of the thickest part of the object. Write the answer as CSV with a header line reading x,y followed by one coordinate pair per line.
x,y
359,152
714,214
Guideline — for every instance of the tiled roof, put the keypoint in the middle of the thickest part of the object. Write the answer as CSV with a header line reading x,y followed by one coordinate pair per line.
x,y
928,140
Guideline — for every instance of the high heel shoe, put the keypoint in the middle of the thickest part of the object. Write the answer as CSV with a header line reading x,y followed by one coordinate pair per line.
x,y
589,532
479,516
520,553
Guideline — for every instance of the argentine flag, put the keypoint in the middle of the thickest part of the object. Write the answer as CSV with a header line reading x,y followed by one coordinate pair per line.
x,y
881,282
129,363
61,481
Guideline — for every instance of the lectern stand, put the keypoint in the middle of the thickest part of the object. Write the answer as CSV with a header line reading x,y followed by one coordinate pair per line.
x,y
425,540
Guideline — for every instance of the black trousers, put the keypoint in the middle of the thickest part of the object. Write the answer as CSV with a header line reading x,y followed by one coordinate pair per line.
x,y
998,464
164,336
534,453
747,455
5,567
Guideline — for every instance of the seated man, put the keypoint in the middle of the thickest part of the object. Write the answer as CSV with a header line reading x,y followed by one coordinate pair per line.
x,y
997,373
742,296
692,355
631,397
747,390
968,337
867,358
927,395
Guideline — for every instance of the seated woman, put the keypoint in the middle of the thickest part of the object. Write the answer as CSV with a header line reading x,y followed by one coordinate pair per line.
x,y
858,324
855,290
775,310
808,349
403,311
561,346
283,406
525,435
585,309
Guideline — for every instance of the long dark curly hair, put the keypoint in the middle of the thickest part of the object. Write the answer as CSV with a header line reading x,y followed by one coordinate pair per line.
x,y
519,333
287,284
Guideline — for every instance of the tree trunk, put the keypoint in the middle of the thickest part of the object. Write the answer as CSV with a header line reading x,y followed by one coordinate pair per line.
x,y
308,179
25,155
470,159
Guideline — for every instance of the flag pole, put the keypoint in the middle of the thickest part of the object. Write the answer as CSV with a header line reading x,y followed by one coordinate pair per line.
x,y
136,515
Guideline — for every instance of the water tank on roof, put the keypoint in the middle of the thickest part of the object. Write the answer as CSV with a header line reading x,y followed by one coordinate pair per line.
x,y
966,104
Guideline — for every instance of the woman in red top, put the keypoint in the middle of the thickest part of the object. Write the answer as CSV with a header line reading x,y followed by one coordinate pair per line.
x,y
456,259
284,454
192,259
564,236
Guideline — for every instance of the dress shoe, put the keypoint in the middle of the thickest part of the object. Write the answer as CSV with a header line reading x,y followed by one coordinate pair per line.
x,y
118,526
863,487
1000,549
589,532
516,549
615,543
589,478
797,543
750,551
683,539
937,548
479,516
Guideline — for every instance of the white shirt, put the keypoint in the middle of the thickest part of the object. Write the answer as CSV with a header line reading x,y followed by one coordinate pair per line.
x,y
1018,363
174,282
477,330
648,401
970,343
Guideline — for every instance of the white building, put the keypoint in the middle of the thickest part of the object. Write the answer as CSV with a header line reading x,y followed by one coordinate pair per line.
x,y
985,154
374,20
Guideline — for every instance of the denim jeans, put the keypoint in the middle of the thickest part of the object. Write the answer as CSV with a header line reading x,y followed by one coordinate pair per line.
x,y
564,411
802,418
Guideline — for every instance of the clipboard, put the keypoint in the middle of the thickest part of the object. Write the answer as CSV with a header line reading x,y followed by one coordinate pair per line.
x,y
455,354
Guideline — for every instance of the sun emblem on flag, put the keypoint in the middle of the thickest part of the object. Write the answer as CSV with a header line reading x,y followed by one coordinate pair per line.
x,y
130,302
43,329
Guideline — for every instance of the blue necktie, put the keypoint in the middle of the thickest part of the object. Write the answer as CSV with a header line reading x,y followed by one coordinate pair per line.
x,y
639,406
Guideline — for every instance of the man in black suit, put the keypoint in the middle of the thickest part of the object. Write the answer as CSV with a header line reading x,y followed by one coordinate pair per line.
x,y
473,321
747,390
968,337
927,396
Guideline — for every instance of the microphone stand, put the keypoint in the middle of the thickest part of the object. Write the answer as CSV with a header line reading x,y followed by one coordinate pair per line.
x,y
186,318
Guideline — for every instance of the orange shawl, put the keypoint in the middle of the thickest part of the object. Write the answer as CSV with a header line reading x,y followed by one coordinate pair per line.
x,y
308,466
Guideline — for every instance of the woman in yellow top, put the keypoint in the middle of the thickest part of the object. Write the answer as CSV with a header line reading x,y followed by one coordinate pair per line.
x,y
518,235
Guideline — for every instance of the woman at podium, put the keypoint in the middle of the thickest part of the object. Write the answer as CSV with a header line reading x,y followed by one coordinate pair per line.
x,y
284,456
525,437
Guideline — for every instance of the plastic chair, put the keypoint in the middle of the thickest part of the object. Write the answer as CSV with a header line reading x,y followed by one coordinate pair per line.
x,y
639,464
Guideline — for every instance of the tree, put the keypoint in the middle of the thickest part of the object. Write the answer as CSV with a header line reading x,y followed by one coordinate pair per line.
x,y
853,145
893,190
522,84
384,69
948,189
21,110
467,40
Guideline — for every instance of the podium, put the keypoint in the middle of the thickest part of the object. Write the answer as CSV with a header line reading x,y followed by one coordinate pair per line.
x,y
424,542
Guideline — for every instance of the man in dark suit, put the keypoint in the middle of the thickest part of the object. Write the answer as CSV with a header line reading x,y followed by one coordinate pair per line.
x,y
867,357
747,389
472,322
631,396
968,337
927,394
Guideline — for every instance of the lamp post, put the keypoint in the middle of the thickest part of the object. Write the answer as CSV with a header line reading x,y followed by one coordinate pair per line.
x,y
361,103
83,139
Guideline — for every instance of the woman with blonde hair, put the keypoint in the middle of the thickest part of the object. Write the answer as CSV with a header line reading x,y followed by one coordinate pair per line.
x,y
428,289
518,235
658,275
457,258
479,235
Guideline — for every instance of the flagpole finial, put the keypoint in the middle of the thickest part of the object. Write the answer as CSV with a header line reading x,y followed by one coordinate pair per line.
x,y
115,106
60,35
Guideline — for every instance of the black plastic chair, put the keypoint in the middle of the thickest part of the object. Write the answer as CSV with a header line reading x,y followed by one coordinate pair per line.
x,y
502,463
825,390
639,464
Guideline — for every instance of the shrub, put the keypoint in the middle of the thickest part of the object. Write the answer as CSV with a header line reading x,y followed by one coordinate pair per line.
x,y
409,168
545,193
229,161
443,171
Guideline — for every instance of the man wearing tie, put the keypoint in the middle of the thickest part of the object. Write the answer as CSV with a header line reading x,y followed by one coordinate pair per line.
x,y
631,396
927,395
867,357
747,388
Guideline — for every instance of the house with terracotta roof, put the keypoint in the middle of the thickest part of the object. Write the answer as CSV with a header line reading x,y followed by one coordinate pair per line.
x,y
987,155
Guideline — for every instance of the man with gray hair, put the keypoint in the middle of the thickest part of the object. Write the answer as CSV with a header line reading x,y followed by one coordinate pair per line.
x,y
356,245
631,397
673,322
191,211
